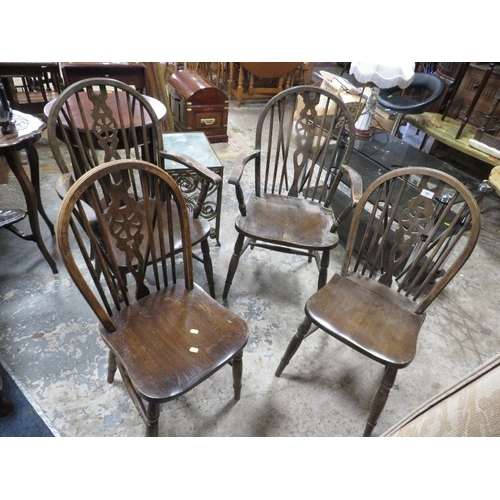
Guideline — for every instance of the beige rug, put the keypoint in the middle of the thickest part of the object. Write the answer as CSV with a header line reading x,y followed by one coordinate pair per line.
x,y
232,148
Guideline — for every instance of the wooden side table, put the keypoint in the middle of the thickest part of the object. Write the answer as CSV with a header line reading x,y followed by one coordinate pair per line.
x,y
197,146
26,131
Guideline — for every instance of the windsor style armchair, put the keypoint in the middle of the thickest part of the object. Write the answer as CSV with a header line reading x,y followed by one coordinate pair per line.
x,y
303,141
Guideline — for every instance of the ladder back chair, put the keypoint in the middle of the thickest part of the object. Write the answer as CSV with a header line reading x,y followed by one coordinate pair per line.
x,y
303,141
412,231
97,120
164,333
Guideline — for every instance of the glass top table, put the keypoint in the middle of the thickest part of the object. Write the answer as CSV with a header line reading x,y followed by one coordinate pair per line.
x,y
382,152
194,144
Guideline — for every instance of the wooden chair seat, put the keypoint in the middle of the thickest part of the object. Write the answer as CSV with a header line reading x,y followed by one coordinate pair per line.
x,y
371,320
295,222
162,356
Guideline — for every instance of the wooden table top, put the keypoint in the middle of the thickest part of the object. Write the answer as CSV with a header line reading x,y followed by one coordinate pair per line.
x,y
87,106
23,127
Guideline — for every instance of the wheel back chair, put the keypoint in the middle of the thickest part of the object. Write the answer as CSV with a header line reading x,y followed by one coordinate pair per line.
x,y
303,140
97,120
412,231
165,334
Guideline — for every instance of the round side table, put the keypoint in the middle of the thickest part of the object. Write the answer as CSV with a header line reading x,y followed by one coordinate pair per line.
x,y
26,130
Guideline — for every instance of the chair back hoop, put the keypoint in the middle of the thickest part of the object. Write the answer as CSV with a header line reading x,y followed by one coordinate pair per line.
x,y
413,229
304,134
99,120
132,228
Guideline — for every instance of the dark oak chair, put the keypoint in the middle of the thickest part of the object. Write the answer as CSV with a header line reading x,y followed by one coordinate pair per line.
x,y
164,333
97,120
304,138
412,231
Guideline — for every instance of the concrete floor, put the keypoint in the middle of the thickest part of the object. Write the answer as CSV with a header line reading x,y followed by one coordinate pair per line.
x,y
49,339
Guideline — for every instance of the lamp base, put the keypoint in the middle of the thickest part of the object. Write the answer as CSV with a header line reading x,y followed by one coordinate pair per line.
x,y
364,133
362,125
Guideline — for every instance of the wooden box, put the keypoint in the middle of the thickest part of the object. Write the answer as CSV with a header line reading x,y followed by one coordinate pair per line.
x,y
198,105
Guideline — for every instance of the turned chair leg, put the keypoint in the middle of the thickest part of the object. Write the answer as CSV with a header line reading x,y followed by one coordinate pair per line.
x,y
294,344
237,365
207,263
233,264
111,367
323,271
153,414
380,399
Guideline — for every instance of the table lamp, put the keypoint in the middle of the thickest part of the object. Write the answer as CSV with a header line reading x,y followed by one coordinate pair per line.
x,y
382,76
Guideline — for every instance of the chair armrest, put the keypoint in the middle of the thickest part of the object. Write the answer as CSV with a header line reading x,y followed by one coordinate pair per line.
x,y
239,165
236,174
189,162
356,187
209,178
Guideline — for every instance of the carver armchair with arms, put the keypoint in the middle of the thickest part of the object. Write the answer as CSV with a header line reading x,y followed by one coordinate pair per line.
x,y
303,140
164,333
97,120
412,231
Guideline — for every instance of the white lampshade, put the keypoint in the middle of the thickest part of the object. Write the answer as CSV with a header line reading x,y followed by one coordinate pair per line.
x,y
384,75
